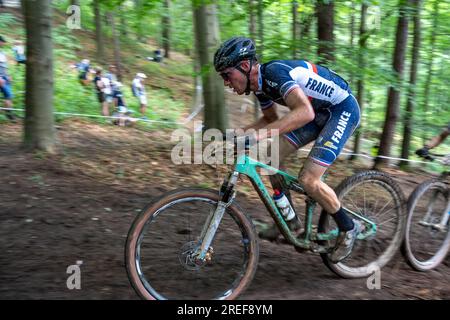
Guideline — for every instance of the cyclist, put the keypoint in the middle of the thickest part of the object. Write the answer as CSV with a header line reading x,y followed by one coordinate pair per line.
x,y
434,142
322,108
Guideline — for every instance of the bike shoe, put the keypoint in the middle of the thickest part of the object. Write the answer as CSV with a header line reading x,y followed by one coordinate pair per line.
x,y
272,232
345,242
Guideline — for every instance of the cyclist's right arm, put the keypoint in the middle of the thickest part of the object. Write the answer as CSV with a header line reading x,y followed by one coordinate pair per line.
x,y
269,115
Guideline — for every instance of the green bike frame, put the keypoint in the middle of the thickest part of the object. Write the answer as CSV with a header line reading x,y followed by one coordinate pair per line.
x,y
248,166
309,240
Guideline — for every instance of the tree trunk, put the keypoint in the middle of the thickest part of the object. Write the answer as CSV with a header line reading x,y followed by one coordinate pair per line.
x,y
39,132
305,27
392,109
98,31
360,84
295,30
260,40
198,89
252,32
252,19
325,31
429,69
411,102
352,30
166,28
207,33
123,22
116,42
139,31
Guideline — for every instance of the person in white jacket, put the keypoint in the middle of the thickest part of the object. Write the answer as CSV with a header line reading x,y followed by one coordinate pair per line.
x,y
139,91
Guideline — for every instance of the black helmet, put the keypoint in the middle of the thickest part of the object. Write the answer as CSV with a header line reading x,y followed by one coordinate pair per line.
x,y
233,51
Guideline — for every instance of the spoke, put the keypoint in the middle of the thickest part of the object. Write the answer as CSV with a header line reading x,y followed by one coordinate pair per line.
x,y
375,205
380,224
377,215
358,209
384,213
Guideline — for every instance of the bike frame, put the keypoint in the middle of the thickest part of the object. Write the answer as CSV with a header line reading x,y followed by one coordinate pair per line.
x,y
308,241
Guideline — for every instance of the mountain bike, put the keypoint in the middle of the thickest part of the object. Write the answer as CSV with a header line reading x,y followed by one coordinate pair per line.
x,y
427,236
199,243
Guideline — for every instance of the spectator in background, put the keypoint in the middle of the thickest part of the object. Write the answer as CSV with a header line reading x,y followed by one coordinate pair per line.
x,y
83,68
112,74
108,91
138,89
5,82
122,116
19,52
119,101
100,90
158,56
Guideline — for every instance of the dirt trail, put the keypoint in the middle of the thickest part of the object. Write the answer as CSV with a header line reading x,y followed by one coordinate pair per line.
x,y
79,204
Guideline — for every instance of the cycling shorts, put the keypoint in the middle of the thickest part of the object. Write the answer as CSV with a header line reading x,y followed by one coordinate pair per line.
x,y
331,128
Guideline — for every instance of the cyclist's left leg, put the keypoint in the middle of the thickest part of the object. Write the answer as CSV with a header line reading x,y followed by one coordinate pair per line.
x,y
343,120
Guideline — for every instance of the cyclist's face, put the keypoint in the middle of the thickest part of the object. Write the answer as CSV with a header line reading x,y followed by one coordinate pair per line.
x,y
234,79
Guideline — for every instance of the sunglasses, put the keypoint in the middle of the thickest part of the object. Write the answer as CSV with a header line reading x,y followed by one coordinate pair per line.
x,y
225,75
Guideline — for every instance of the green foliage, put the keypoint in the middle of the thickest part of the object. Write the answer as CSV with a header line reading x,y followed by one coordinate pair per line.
x,y
144,29
6,20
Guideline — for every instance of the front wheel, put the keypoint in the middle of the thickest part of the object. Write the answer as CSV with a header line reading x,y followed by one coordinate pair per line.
x,y
164,236
427,237
375,196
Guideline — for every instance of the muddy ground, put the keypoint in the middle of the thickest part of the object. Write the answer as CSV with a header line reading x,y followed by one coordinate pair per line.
x,y
78,205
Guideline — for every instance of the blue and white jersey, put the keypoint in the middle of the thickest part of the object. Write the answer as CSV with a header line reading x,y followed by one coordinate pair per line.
x,y
278,78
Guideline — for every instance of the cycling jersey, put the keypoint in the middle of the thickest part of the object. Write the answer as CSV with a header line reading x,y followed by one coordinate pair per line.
x,y
323,87
336,109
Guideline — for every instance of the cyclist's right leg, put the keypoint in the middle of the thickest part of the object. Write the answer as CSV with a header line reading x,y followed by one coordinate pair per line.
x,y
288,144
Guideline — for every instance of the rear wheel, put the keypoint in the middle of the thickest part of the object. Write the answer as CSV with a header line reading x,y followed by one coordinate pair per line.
x,y
376,196
427,240
164,236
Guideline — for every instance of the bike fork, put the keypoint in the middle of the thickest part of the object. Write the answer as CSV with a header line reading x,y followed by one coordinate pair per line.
x,y
215,217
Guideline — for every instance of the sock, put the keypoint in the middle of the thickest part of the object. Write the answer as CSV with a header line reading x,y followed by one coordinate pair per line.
x,y
343,221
